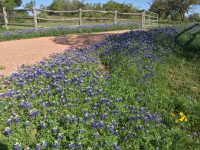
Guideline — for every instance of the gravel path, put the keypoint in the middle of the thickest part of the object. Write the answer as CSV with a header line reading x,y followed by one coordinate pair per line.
x,y
29,51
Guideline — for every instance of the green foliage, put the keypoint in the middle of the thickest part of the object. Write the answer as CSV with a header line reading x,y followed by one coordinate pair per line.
x,y
66,5
30,5
194,17
10,4
112,5
173,8
76,4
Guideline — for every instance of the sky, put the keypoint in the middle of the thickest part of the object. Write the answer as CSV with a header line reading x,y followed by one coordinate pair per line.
x,y
141,4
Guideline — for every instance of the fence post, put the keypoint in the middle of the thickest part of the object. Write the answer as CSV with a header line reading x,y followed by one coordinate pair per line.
x,y
5,17
143,19
35,18
157,19
115,19
80,17
149,18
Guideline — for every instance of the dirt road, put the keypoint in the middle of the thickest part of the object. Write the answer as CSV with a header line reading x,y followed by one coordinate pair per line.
x,y
29,51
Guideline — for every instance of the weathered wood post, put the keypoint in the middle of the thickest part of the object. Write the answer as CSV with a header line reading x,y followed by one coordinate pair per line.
x,y
115,18
35,18
149,18
80,17
143,19
5,18
157,19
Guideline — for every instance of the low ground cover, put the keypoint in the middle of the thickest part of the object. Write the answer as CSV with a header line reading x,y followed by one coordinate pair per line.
x,y
130,91
42,32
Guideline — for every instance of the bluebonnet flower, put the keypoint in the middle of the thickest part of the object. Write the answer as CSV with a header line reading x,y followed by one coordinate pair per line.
x,y
87,116
45,143
9,121
27,123
100,124
60,136
75,119
68,119
71,146
17,119
116,147
33,113
38,146
139,127
56,144
17,146
159,121
119,100
105,116
80,146
94,124
43,125
55,130
149,116
7,131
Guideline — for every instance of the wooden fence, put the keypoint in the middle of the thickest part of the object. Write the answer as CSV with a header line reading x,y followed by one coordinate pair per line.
x,y
147,19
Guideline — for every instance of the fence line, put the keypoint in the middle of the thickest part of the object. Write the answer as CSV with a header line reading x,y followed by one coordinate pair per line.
x,y
147,18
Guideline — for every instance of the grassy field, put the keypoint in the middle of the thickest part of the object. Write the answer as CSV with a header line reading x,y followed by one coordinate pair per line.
x,y
138,90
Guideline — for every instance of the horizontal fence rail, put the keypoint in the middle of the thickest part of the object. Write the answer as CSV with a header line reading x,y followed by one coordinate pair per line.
x,y
45,19
146,18
18,9
62,11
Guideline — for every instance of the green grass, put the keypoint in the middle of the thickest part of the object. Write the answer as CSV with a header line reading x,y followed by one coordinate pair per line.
x,y
178,84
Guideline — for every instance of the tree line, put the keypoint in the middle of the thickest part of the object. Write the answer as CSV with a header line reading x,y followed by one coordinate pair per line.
x,y
175,9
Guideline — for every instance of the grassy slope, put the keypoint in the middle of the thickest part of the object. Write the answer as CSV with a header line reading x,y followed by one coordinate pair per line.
x,y
179,83
176,88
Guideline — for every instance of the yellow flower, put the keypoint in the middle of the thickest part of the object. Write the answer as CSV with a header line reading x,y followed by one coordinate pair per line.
x,y
181,114
186,120
182,118
176,120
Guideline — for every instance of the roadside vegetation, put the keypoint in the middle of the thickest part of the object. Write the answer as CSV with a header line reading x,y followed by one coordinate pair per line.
x,y
137,90
31,33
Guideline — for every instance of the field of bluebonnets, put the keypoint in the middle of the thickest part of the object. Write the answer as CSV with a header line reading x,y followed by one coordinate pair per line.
x,y
137,90
55,31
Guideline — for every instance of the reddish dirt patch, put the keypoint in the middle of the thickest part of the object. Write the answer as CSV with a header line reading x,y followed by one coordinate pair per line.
x,y
29,51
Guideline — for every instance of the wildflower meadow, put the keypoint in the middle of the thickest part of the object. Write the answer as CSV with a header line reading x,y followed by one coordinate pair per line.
x,y
121,93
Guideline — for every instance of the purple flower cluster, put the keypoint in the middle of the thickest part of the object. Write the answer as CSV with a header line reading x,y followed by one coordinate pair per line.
x,y
65,98
62,30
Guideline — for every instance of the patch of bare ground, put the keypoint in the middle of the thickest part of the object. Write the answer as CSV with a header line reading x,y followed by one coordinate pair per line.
x,y
29,51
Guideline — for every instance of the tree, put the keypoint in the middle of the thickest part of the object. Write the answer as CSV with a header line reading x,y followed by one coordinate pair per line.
x,y
66,5
30,5
112,5
173,8
10,4
57,5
